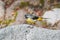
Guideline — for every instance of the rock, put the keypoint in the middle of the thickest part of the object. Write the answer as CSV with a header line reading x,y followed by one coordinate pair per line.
x,y
43,34
28,32
1,9
52,15
17,32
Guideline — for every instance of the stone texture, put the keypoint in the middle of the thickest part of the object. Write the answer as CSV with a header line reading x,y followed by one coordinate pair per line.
x,y
52,15
2,9
28,32
17,32
43,34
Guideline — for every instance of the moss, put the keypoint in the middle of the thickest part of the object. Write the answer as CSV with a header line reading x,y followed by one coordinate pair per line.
x,y
8,21
58,5
42,2
24,4
15,15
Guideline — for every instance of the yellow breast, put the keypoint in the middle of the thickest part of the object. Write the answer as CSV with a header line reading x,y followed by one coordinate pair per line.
x,y
30,21
40,19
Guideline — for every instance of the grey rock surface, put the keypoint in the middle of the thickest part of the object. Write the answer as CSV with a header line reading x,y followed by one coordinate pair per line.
x,y
28,32
52,15
43,34
1,9
17,32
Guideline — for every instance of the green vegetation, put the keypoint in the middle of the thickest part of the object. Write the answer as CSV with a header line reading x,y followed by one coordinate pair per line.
x,y
24,4
42,2
58,5
9,21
